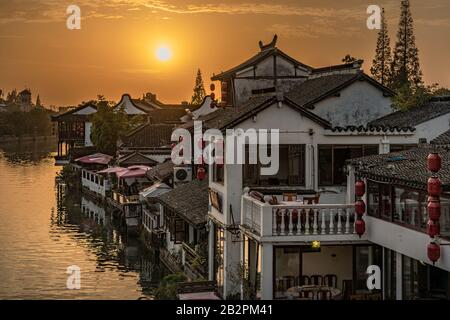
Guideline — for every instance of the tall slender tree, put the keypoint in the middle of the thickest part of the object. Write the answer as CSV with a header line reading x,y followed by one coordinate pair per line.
x,y
405,67
199,89
381,64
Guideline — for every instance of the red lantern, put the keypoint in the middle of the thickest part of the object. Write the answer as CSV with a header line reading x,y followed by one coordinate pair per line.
x,y
173,145
433,228
360,188
212,87
224,93
213,96
434,187
434,252
434,162
360,207
434,210
201,173
360,227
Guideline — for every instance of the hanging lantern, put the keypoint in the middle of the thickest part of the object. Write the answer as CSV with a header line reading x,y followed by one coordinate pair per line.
x,y
201,173
360,207
434,252
434,162
360,188
434,210
433,228
224,93
434,186
213,96
212,87
360,227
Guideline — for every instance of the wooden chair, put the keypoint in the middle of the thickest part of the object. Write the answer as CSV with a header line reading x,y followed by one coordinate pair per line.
x,y
303,280
317,279
324,295
330,280
308,294
347,289
289,196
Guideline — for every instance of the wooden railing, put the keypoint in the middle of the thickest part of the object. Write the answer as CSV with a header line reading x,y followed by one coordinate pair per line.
x,y
295,220
193,260
122,199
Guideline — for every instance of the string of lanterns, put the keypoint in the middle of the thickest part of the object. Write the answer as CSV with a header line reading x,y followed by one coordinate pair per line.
x,y
360,207
434,163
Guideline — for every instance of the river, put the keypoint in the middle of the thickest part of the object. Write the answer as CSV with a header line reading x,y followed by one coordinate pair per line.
x,y
43,231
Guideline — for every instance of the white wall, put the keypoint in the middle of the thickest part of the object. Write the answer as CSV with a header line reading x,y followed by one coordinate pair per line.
x,y
405,241
358,104
87,134
92,186
433,128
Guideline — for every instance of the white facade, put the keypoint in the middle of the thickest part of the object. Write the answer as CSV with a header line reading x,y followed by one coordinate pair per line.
x,y
95,182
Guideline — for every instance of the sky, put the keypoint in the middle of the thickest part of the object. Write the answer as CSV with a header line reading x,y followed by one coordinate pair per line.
x,y
114,52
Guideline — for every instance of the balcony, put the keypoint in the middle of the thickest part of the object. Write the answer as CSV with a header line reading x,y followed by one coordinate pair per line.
x,y
295,221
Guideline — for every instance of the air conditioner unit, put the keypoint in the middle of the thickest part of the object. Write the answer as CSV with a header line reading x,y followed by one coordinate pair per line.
x,y
182,174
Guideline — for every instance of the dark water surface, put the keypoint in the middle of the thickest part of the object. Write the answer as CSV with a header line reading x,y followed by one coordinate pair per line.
x,y
43,231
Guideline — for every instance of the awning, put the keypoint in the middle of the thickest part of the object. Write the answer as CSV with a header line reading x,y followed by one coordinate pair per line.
x,y
112,170
96,158
133,172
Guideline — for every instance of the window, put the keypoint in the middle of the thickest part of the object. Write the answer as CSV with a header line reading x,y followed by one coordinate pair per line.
x,y
179,230
291,170
332,161
96,179
218,173
84,174
219,247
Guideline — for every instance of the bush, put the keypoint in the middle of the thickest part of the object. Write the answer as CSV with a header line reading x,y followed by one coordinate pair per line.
x,y
167,289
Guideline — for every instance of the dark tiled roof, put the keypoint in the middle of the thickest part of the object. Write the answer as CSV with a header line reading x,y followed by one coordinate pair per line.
x,y
189,200
161,171
266,51
407,168
369,129
314,90
229,117
167,114
149,136
414,116
338,67
443,139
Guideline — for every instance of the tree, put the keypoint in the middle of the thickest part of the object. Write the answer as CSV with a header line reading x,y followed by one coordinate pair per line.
x,y
38,102
405,67
382,61
199,89
107,127
11,96
348,59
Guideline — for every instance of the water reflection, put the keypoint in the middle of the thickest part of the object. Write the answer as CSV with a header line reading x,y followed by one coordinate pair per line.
x,y
46,227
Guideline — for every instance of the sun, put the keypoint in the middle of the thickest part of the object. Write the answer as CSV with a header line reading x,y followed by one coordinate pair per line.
x,y
163,53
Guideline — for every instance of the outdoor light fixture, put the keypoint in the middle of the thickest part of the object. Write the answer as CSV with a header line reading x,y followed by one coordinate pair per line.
x,y
315,245
434,163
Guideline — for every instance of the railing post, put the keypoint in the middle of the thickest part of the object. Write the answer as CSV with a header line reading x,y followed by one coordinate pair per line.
x,y
347,221
307,222
339,223
323,226
274,221
289,211
331,221
315,212
283,226
354,222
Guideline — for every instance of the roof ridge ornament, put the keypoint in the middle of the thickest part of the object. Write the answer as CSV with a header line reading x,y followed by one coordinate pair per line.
x,y
270,45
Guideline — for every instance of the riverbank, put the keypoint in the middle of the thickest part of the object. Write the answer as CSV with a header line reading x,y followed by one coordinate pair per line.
x,y
26,138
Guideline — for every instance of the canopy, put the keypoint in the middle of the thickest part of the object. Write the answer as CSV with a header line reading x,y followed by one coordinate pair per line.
x,y
112,170
133,172
96,158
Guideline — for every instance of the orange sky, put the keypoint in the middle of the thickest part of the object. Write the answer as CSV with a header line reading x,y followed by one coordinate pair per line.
x,y
113,52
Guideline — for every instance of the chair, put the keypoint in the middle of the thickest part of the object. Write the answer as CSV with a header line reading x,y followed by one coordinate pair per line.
x,y
309,200
317,279
308,294
324,295
330,280
289,196
303,280
347,289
